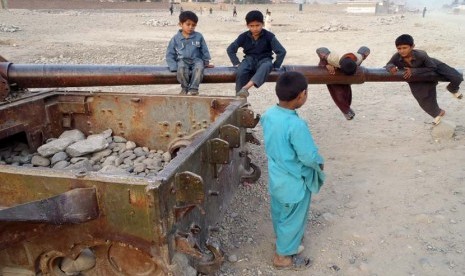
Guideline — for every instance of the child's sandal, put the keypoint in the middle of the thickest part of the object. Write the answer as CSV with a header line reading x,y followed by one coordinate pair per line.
x,y
457,95
298,263
438,118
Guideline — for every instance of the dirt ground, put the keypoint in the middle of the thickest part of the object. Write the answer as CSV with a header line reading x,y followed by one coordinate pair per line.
x,y
393,203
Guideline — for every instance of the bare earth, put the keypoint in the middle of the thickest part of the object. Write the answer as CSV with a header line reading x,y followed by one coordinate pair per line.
x,y
394,201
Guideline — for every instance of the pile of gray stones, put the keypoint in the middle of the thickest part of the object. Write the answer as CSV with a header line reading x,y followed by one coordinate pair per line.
x,y
9,28
101,152
157,23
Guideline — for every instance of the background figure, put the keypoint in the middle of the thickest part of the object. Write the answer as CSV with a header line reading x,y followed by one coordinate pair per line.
x,y
234,11
342,93
268,20
424,12
171,9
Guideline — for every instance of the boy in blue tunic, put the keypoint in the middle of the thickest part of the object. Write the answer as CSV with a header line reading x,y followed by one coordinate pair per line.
x,y
188,54
294,168
258,45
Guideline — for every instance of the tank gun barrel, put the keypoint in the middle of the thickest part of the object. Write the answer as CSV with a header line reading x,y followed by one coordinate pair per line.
x,y
55,75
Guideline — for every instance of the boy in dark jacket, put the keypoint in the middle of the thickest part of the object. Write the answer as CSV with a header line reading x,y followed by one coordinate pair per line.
x,y
258,45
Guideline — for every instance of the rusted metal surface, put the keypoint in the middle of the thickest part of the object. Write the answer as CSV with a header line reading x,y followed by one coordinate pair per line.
x,y
172,119
48,75
4,84
75,206
139,217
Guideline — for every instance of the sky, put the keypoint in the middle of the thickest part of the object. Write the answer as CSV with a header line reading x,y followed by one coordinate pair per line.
x,y
430,4
433,4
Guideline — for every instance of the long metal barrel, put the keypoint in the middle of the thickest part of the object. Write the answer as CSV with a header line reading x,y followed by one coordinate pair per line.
x,y
51,75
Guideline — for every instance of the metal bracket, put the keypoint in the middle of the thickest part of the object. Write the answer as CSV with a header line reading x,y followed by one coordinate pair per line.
x,y
251,172
206,263
231,134
189,188
187,244
189,193
218,151
246,118
253,175
209,267
250,137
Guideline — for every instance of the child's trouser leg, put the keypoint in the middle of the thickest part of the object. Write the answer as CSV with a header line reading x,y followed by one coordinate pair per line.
x,y
451,75
425,94
197,74
183,74
289,222
342,96
264,68
244,73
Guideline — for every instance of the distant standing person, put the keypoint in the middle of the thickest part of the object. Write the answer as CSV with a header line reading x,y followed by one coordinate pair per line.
x,y
180,10
188,54
268,21
424,12
4,4
171,9
416,62
211,10
258,46
347,63
234,11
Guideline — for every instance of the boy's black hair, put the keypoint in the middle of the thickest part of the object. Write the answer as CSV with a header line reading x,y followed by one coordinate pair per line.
x,y
289,85
188,15
254,16
404,39
348,66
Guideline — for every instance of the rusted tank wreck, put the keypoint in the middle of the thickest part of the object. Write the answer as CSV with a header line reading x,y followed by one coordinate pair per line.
x,y
62,222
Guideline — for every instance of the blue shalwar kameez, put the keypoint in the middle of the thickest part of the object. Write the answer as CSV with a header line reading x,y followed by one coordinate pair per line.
x,y
294,174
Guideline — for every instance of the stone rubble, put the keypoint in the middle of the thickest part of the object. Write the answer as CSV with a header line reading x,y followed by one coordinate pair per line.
x,y
157,23
390,20
101,152
332,27
9,29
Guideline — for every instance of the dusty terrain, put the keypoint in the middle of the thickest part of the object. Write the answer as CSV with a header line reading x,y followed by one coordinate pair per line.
x,y
394,201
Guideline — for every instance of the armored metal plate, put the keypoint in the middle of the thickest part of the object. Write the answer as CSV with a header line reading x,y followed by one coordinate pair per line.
x,y
231,134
